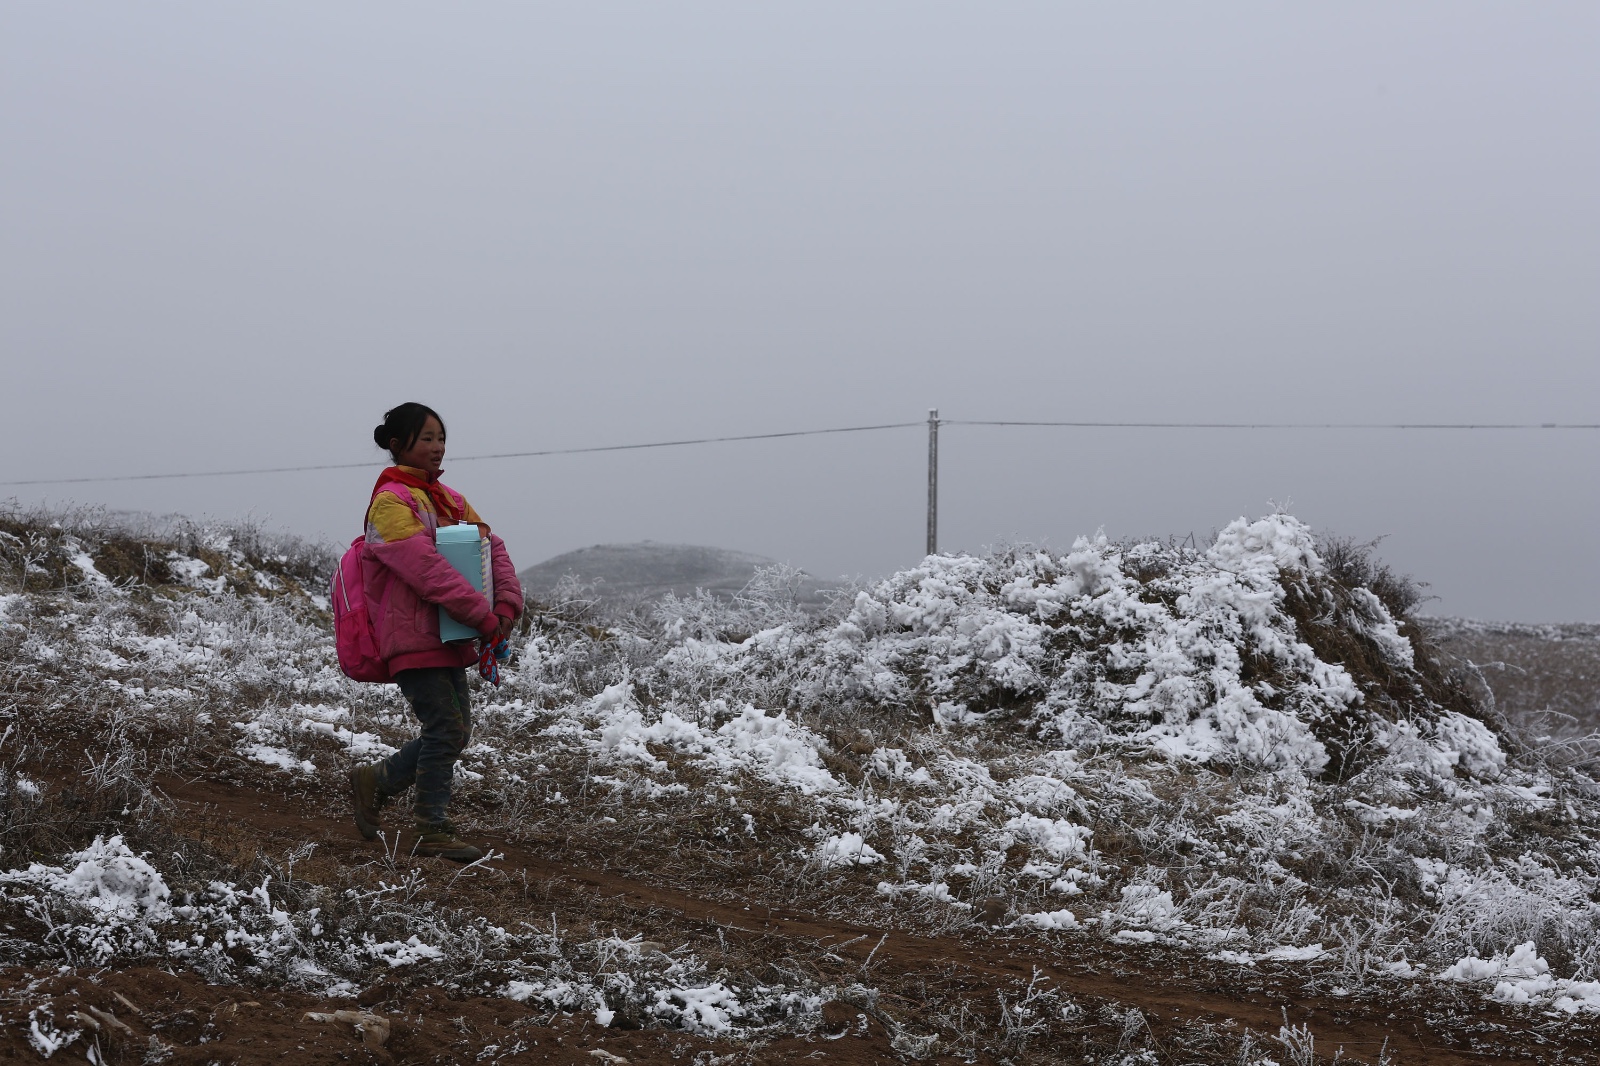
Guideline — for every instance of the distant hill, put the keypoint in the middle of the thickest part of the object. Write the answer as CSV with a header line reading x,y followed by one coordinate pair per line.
x,y
647,570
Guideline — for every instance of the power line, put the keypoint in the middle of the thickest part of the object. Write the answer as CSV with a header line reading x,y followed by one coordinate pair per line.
x,y
698,440
465,458
821,432
1278,425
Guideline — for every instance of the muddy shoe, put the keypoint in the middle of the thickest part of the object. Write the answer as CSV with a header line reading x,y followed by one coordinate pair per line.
x,y
441,841
366,799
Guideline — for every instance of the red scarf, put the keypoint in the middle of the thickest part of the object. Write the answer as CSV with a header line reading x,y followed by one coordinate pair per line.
x,y
444,504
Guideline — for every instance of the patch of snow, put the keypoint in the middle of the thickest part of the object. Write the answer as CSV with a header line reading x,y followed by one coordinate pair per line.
x,y
769,745
1237,958
937,890
707,1010
272,755
44,1036
8,600
1467,742
778,748
106,877
847,849
1523,977
1378,815
403,952
190,571
361,746
1062,919
1293,954
91,573
1056,837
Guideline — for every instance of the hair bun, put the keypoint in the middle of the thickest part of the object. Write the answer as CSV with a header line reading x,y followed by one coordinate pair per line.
x,y
403,425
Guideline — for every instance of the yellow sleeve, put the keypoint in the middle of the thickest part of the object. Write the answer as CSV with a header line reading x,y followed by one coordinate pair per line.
x,y
389,519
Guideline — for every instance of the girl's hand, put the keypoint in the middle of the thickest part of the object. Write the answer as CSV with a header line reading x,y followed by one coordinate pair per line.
x,y
504,632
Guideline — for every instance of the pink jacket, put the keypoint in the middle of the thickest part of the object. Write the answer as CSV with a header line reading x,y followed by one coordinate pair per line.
x,y
405,592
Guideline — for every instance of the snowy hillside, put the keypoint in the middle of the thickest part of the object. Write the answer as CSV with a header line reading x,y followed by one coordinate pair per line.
x,y
1240,756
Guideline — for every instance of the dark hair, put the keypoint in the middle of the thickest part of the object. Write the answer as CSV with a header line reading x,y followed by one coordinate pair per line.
x,y
404,424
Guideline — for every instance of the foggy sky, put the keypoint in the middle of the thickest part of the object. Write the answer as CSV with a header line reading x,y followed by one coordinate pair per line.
x,y
232,235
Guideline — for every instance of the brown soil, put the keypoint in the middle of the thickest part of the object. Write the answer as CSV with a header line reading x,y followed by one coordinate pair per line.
x,y
1173,989
208,1024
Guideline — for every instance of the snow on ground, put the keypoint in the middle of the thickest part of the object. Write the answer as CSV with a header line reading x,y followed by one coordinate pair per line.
x,y
1523,977
1138,743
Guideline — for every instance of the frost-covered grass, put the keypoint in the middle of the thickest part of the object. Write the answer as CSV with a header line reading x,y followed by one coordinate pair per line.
x,y
1231,751
223,664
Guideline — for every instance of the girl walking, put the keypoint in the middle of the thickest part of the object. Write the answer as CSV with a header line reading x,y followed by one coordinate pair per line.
x,y
407,581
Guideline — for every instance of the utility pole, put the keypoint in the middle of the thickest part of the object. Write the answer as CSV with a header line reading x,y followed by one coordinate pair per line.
x,y
933,481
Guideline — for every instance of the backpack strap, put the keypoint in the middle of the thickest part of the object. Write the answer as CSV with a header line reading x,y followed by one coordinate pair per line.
x,y
395,488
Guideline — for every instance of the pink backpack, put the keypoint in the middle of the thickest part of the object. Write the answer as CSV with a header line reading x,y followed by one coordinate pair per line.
x,y
354,637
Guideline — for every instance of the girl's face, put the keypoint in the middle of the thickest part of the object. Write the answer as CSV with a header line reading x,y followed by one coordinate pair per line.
x,y
427,452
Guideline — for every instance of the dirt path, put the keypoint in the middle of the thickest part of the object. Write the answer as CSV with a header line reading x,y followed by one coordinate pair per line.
x,y
187,1022
1168,986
